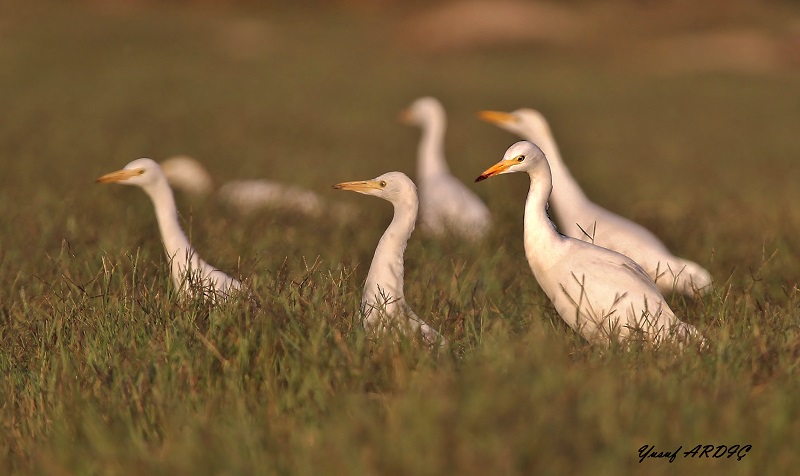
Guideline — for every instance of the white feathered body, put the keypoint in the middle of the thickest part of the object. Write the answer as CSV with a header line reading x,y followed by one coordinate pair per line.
x,y
601,293
594,224
249,195
448,206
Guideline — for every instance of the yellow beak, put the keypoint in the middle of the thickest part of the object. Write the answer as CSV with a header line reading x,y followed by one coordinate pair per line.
x,y
119,176
495,169
497,117
363,186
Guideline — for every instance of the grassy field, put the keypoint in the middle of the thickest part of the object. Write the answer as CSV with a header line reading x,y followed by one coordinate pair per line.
x,y
104,371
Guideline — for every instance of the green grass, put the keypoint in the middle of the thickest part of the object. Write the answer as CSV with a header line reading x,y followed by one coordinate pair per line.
x,y
104,371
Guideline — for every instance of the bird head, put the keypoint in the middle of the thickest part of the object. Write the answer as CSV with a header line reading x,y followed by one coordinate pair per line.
x,y
140,172
522,156
421,111
186,174
391,186
523,122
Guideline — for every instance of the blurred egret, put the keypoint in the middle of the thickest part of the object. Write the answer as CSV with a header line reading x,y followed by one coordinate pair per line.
x,y
188,175
581,218
383,300
188,270
446,204
250,195
600,293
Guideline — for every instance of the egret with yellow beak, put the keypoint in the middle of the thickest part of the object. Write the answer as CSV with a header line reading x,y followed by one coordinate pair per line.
x,y
383,303
189,272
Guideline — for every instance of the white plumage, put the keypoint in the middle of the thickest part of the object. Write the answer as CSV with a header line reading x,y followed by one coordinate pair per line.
x,y
446,204
600,293
188,175
579,216
383,303
189,272
249,195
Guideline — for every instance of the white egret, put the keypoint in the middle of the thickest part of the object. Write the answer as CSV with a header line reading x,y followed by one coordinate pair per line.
x,y
383,301
446,204
188,175
581,218
250,195
600,293
189,272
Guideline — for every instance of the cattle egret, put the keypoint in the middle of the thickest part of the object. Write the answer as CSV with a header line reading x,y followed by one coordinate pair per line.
x,y
446,204
583,219
600,293
188,175
189,272
383,303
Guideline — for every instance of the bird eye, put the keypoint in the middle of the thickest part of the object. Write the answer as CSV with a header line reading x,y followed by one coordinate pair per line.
x,y
520,158
383,183
141,171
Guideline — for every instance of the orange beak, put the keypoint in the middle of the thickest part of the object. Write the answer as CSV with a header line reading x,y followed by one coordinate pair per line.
x,y
495,169
497,117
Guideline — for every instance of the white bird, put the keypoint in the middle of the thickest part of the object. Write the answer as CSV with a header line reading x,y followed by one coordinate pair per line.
x,y
250,195
383,301
600,293
446,204
188,175
583,219
189,272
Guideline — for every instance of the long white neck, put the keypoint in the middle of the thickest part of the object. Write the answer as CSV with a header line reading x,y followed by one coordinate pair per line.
x,y
385,277
430,152
543,244
176,245
567,195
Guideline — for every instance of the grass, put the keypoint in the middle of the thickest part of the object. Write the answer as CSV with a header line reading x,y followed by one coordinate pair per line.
x,y
104,371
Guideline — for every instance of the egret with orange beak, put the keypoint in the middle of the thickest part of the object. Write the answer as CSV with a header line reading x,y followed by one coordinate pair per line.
x,y
599,293
583,219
